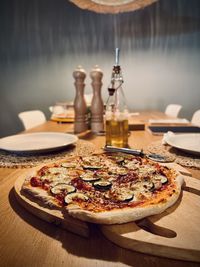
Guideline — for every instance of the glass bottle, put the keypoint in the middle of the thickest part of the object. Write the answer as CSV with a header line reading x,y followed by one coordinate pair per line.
x,y
116,115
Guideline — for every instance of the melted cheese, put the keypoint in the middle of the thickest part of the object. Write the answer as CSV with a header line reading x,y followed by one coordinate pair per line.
x,y
58,170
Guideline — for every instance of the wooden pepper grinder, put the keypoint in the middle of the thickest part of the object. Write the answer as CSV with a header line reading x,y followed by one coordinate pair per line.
x,y
97,107
80,107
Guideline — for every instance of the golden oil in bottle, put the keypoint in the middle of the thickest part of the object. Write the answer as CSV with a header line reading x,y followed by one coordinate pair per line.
x,y
117,132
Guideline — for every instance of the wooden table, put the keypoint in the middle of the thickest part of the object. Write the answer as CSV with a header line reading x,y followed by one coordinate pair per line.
x,y
26,240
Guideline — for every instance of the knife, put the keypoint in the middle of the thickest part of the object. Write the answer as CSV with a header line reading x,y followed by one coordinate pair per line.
x,y
137,152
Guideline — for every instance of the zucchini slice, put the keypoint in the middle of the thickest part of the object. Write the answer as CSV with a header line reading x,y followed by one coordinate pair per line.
x,y
102,185
62,187
89,177
91,167
73,196
148,185
69,164
163,179
126,197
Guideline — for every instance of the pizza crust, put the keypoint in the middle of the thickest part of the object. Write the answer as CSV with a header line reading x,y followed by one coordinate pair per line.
x,y
126,214
44,199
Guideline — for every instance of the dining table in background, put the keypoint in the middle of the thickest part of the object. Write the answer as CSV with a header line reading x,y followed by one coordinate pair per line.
x,y
27,240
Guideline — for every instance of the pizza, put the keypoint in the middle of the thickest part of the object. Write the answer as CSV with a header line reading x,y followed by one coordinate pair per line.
x,y
107,188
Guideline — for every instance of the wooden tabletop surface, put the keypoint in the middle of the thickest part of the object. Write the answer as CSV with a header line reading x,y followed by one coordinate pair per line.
x,y
26,240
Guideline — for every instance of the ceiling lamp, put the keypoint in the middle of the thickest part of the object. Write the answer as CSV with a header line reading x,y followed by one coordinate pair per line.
x,y
112,6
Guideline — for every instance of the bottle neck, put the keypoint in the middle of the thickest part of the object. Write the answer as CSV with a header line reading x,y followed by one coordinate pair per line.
x,y
111,91
116,100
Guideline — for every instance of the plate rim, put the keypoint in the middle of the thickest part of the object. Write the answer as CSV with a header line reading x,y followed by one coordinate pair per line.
x,y
39,150
192,151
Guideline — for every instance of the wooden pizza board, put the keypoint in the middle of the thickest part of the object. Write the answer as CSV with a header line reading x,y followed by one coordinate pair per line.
x,y
50,215
173,234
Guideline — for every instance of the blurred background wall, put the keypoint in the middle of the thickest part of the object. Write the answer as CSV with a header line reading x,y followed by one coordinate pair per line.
x,y
42,42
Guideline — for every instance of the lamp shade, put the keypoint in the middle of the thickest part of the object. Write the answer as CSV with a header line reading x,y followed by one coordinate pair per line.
x,y
112,6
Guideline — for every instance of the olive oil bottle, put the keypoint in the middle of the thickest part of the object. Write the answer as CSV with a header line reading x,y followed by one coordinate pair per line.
x,y
116,115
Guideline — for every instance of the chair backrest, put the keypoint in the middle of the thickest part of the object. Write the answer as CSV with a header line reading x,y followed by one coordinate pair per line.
x,y
173,110
31,118
196,118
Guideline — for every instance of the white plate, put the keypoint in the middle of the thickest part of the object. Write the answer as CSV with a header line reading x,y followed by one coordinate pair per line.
x,y
37,142
187,142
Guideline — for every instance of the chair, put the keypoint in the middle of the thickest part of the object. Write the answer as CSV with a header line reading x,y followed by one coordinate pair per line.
x,y
173,110
31,118
196,118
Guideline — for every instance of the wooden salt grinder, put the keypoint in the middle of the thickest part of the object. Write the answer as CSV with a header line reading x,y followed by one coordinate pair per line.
x,y
80,107
97,107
